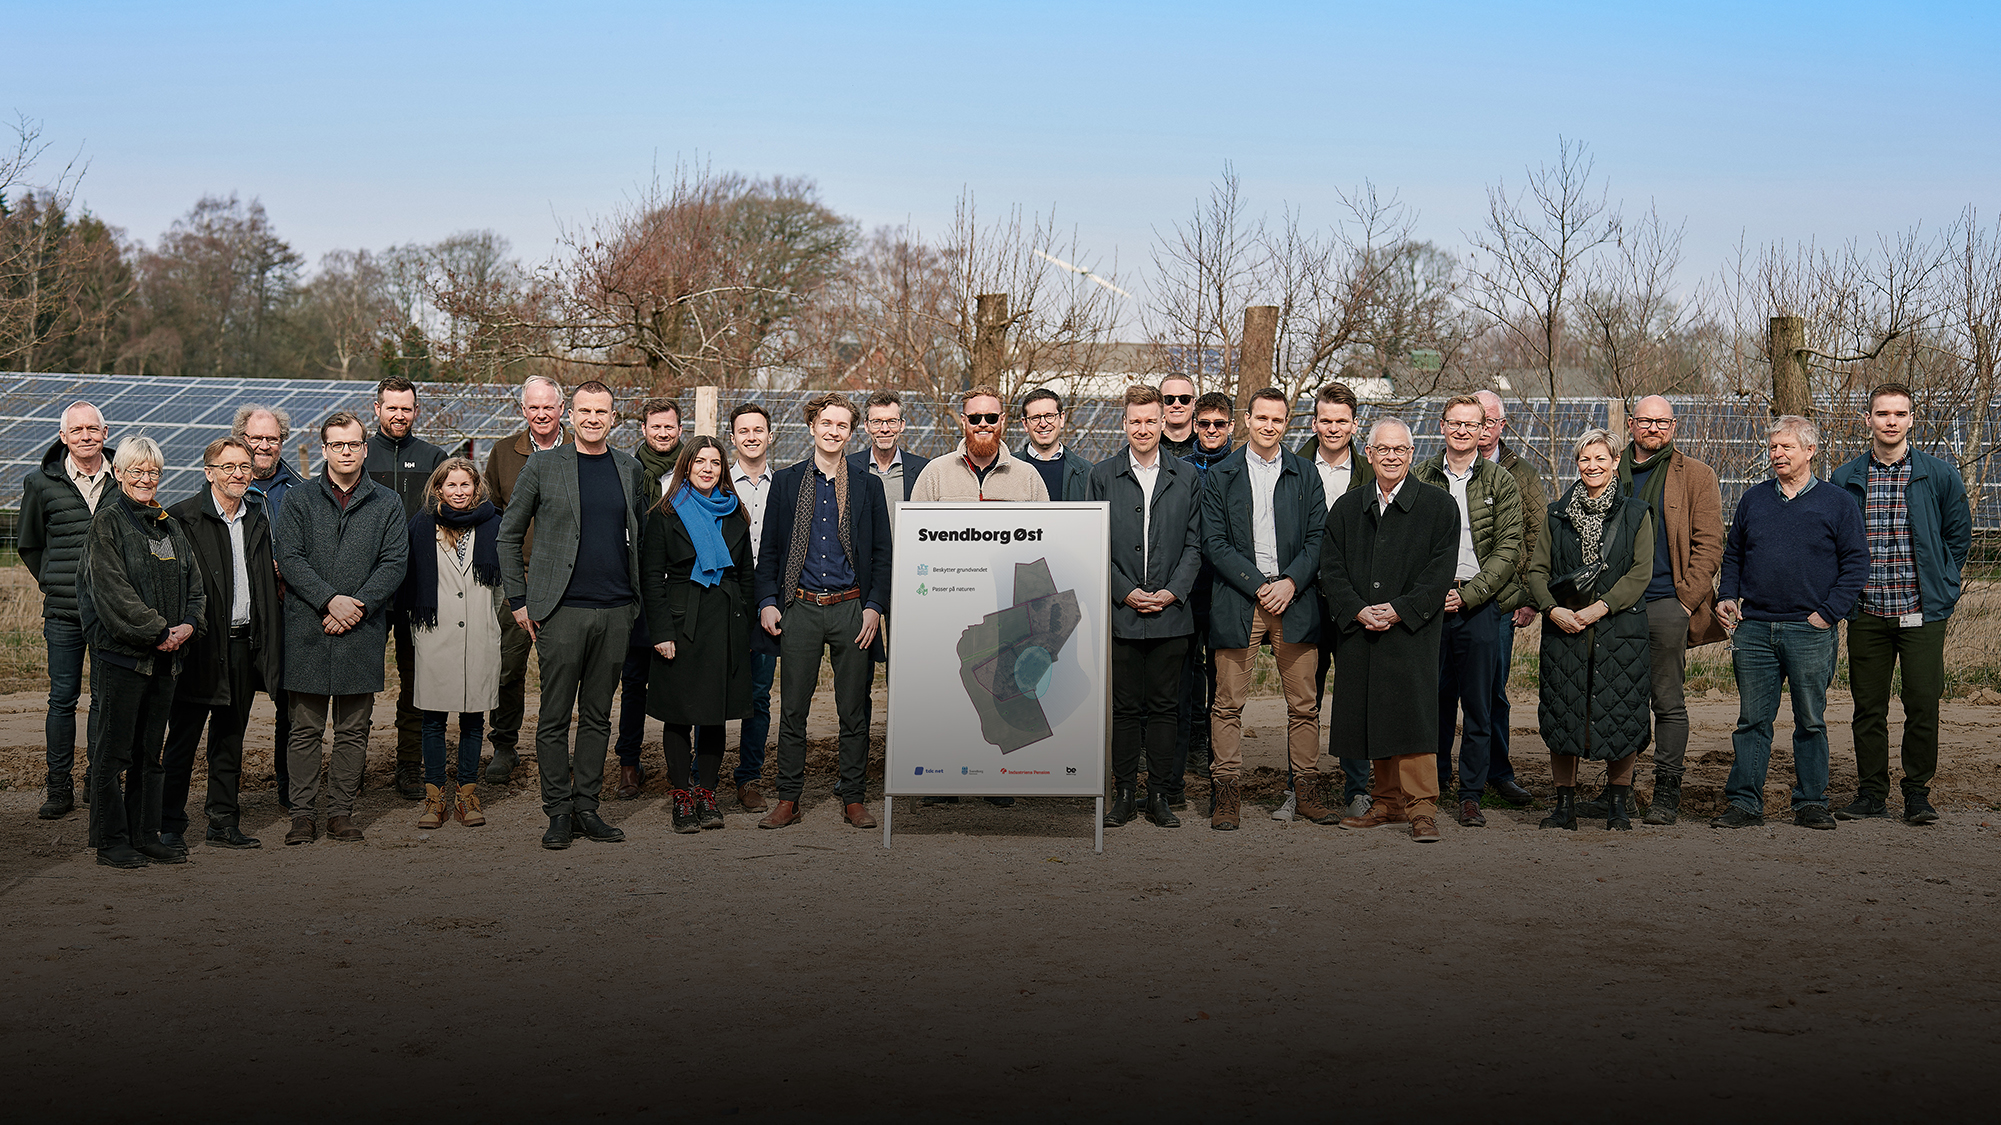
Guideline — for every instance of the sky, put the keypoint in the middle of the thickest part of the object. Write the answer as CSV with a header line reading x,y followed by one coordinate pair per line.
x,y
366,125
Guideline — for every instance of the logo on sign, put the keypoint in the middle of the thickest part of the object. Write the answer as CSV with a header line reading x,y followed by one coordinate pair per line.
x,y
922,589
923,569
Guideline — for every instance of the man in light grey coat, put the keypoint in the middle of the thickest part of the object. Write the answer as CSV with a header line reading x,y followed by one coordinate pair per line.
x,y
577,597
342,544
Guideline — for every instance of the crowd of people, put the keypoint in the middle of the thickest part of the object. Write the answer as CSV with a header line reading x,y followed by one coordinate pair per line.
x,y
685,578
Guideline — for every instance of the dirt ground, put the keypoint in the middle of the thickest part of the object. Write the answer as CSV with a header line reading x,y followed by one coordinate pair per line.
x,y
989,966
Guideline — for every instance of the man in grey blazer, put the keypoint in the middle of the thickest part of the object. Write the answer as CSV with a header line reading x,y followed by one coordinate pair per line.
x,y
577,598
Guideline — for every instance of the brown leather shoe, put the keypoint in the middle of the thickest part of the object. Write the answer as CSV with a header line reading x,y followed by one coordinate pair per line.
x,y
628,782
1308,805
749,798
1470,815
857,815
1229,800
1381,814
342,828
1424,829
304,831
781,814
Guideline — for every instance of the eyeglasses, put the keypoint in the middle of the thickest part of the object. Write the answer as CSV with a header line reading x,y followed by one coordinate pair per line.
x,y
1463,427
248,440
345,446
1213,424
1653,423
233,470
884,423
1177,400
1394,450
143,474
983,419
1050,419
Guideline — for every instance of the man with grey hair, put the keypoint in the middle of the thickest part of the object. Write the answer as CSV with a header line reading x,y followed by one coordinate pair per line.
x,y
1513,600
264,430
1794,565
58,499
542,409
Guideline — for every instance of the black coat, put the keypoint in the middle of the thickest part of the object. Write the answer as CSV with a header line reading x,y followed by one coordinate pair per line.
x,y
1597,685
708,681
204,669
868,524
1174,550
1299,515
1386,684
54,522
137,580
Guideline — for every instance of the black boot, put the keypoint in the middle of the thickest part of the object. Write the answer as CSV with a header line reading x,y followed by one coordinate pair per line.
x,y
1121,810
149,845
1598,806
1564,815
1618,799
1666,807
61,799
559,834
1158,810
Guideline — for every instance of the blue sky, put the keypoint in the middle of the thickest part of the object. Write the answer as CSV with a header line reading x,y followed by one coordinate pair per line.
x,y
366,125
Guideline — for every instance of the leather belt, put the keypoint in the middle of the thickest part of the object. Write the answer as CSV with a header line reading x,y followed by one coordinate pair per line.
x,y
847,595
239,632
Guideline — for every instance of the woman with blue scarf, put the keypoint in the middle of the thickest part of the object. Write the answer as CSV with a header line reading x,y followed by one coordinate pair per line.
x,y
696,577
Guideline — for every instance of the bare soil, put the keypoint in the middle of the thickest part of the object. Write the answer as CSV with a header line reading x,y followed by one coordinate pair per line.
x,y
989,966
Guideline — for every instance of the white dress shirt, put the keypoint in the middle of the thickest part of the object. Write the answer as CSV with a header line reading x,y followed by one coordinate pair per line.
x,y
1334,479
1146,475
1385,499
1264,530
752,492
1469,563
239,602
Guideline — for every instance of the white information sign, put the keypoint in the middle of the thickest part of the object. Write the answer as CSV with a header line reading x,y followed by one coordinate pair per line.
x,y
999,651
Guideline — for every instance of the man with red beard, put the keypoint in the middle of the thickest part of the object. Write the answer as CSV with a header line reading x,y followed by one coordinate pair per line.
x,y
980,469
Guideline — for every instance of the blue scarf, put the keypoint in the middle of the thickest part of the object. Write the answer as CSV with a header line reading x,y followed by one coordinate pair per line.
x,y
702,516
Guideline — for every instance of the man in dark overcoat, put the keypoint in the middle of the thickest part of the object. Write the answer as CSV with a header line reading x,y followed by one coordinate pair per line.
x,y
1386,563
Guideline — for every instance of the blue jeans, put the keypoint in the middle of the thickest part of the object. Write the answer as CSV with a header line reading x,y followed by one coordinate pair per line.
x,y
1764,653
1466,668
66,649
472,724
1499,768
757,726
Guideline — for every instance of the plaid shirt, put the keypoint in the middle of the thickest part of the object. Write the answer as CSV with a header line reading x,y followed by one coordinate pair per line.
x,y
1892,587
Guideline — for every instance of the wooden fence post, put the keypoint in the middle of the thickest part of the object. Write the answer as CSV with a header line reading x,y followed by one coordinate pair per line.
x,y
1255,359
1786,345
989,340
705,411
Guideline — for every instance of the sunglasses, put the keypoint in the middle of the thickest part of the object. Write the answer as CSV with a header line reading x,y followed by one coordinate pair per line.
x,y
983,419
1214,424
1177,400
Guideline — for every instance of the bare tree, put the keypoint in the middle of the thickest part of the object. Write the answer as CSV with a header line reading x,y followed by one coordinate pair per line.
x,y
349,307
1534,255
1635,330
886,320
1206,272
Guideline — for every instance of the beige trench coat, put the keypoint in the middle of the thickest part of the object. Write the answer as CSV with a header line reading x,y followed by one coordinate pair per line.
x,y
458,662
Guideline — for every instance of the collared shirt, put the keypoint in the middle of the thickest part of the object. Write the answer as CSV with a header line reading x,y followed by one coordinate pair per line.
x,y
892,481
1263,476
1385,499
91,485
1147,475
827,569
1780,488
535,446
1468,565
753,492
1891,590
345,495
1334,479
239,602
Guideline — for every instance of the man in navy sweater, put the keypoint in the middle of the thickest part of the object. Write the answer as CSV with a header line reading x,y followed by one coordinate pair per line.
x,y
1793,565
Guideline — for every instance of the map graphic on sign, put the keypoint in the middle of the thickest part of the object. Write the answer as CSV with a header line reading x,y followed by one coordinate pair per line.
x,y
1008,660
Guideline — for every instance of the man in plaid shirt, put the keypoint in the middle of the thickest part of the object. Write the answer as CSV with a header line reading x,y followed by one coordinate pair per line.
x,y
1919,529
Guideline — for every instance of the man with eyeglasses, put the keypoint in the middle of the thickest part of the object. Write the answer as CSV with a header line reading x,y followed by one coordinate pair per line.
x,y
542,410
1513,602
1386,566
222,667
1065,475
58,499
402,462
1177,397
264,430
885,458
979,469
1490,551
342,542
1687,503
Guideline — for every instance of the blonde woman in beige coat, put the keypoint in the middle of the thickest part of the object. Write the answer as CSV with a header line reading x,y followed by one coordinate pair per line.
x,y
451,594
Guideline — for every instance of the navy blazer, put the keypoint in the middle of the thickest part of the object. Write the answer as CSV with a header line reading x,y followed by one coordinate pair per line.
x,y
1299,519
868,526
913,467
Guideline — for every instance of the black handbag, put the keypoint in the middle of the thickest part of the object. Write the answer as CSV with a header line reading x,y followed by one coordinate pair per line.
x,y
1575,590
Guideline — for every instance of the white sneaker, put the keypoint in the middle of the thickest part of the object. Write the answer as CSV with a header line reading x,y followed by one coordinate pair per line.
x,y
1285,811
1359,806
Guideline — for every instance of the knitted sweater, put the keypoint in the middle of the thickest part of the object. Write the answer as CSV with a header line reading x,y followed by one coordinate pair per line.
x,y
1787,559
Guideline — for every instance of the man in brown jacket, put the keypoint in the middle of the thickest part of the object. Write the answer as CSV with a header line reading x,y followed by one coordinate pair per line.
x,y
542,407
1681,599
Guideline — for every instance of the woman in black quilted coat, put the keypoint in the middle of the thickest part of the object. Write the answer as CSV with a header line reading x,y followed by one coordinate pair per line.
x,y
1589,580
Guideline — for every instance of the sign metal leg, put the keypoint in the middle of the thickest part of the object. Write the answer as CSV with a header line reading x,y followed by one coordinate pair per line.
x,y
888,810
1099,820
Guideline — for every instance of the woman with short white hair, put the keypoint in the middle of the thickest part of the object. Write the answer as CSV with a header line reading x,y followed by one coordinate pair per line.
x,y
140,599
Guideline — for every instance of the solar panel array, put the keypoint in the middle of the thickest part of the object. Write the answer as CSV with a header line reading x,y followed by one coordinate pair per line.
x,y
184,414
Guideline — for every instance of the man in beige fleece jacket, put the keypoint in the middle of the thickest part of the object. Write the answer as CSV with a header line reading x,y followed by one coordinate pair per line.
x,y
981,467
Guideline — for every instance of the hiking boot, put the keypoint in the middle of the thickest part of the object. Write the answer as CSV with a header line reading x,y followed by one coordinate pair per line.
x,y
1591,808
435,811
1229,800
1309,805
685,817
465,806
1666,808
62,799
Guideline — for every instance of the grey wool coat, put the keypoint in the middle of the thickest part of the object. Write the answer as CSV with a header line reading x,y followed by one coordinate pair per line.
x,y
708,681
545,496
1385,695
324,550
1174,544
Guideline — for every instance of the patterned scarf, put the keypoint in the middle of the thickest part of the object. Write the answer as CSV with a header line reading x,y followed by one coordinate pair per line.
x,y
1588,517
802,527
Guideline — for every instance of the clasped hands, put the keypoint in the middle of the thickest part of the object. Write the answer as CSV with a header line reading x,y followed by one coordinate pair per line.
x,y
176,637
1578,620
343,613
1150,601
1376,618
